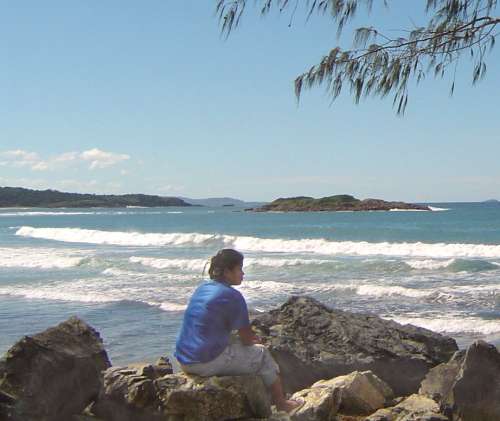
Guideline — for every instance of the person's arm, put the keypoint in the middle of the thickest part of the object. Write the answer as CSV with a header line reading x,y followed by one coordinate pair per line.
x,y
247,336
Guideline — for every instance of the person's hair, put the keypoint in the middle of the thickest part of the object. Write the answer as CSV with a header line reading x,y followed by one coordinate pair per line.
x,y
224,259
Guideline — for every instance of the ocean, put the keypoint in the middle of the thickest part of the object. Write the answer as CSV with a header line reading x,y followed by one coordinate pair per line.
x,y
129,272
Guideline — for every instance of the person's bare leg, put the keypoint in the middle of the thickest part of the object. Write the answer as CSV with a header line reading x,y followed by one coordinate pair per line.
x,y
279,398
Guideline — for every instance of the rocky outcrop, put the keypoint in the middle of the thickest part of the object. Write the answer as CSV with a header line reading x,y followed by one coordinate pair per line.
x,y
356,393
468,386
52,375
414,408
341,202
360,392
311,342
142,393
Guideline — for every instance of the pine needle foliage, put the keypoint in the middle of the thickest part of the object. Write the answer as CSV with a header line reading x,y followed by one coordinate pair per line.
x,y
380,65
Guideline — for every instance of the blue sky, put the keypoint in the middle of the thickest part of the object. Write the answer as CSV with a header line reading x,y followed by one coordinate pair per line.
x,y
128,96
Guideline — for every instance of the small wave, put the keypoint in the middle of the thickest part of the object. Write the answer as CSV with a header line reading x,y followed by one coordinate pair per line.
x,y
59,294
463,265
453,325
175,212
40,258
454,265
383,291
435,209
45,213
279,263
429,264
186,264
407,210
169,306
198,264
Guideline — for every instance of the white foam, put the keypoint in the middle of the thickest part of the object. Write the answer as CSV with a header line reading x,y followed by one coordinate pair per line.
x,y
435,209
197,265
408,210
254,244
40,258
146,289
45,213
278,263
391,290
169,306
453,324
77,235
186,264
429,264
59,293
363,248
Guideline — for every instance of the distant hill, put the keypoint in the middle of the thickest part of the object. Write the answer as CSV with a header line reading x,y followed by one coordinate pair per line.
x,y
20,197
221,201
342,202
492,201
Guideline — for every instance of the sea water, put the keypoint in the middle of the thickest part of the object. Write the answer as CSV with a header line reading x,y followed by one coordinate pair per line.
x,y
130,272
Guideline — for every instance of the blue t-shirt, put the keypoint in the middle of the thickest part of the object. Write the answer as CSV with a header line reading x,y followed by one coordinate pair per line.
x,y
215,309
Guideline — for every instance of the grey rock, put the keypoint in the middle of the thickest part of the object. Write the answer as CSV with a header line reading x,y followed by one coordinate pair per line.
x,y
138,394
359,392
468,386
52,375
311,342
414,408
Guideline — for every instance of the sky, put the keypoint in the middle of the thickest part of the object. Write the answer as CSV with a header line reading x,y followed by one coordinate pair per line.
x,y
124,96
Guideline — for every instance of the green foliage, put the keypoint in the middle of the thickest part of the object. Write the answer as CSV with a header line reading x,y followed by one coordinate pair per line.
x,y
340,202
20,197
380,65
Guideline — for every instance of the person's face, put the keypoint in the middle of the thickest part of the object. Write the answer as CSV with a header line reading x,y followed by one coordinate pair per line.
x,y
235,275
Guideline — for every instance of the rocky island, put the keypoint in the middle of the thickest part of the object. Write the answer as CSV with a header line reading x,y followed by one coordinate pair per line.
x,y
341,202
12,197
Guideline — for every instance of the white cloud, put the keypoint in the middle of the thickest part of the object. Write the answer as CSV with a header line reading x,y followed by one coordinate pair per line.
x,y
98,159
19,158
102,159
40,166
169,188
21,155
66,157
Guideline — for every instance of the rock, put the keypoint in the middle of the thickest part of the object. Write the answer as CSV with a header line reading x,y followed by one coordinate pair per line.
x,y
138,394
359,392
311,342
321,404
54,374
414,408
355,393
468,386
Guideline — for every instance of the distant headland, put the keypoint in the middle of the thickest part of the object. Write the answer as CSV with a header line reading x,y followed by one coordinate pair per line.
x,y
342,202
11,197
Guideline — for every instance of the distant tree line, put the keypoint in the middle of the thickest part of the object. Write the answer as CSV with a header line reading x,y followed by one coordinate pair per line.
x,y
21,197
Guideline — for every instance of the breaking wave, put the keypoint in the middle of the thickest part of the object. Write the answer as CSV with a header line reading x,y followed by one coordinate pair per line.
x,y
458,324
40,258
255,244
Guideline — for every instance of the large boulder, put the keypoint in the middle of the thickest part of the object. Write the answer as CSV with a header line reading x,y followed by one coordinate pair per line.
x,y
359,392
52,375
138,393
356,394
311,342
414,408
468,386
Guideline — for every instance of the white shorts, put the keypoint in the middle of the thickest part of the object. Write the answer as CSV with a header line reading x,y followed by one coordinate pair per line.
x,y
238,359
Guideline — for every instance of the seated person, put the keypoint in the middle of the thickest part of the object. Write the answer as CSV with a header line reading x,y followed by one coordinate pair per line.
x,y
216,309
